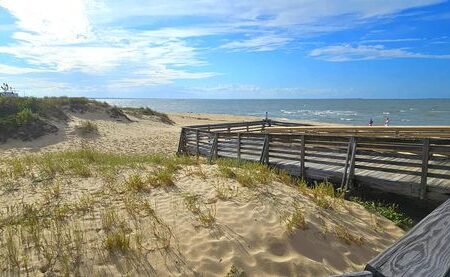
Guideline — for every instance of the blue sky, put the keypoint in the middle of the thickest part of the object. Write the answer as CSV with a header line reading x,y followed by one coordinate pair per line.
x,y
227,49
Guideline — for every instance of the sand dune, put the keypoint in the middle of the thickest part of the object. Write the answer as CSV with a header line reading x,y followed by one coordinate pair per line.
x,y
248,232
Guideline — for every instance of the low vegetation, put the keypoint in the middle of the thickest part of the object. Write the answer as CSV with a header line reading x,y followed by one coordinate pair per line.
x,y
27,118
139,112
87,128
389,211
296,220
52,236
65,227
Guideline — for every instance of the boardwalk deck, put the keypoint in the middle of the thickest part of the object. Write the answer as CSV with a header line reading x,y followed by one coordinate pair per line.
x,y
413,166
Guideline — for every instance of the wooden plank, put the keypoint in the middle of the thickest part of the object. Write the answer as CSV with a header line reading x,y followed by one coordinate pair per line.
x,y
355,274
424,172
302,157
264,151
423,251
213,148
239,147
197,142
347,160
181,143
351,170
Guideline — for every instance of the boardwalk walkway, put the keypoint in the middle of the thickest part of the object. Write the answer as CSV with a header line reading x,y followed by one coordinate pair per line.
x,y
409,162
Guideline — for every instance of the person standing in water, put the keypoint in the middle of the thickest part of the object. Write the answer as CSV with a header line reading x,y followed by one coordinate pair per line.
x,y
371,122
386,122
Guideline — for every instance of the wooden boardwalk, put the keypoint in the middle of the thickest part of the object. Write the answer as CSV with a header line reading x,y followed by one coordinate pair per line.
x,y
423,251
410,162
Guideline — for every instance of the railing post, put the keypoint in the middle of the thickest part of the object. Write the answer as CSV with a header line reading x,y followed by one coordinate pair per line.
x,y
197,143
351,172
424,174
181,143
302,157
247,127
238,147
213,150
347,159
216,149
265,150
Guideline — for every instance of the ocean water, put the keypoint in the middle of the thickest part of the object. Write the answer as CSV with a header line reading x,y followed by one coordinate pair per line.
x,y
346,111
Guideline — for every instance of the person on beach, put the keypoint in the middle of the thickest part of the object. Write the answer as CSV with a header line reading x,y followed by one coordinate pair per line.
x,y
386,122
371,122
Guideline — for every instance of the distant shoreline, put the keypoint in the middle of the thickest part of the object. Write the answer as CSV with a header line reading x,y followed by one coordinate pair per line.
x,y
337,111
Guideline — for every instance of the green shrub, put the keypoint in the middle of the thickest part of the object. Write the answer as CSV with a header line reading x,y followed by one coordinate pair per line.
x,y
25,116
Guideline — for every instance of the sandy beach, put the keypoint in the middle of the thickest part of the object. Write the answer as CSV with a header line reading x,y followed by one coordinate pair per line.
x,y
203,224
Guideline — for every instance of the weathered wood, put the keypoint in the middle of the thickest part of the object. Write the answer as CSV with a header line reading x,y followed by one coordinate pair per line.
x,y
181,143
212,151
347,160
424,172
239,147
197,142
388,163
355,274
264,150
423,251
351,170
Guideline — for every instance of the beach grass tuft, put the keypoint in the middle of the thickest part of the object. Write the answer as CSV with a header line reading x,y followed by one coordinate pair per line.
x,y
86,128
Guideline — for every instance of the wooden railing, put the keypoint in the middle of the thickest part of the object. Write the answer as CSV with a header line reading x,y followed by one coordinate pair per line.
x,y
418,167
423,251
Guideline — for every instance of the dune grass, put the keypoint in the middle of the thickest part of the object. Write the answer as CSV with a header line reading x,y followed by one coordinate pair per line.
x,y
86,128
45,236
50,235
390,211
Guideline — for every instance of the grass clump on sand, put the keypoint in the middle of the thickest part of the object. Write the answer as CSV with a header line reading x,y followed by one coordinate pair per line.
x,y
296,220
235,272
162,177
389,211
135,183
346,236
149,112
87,128
324,195
205,214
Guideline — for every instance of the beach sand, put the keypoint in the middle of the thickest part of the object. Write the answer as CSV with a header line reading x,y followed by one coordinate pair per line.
x,y
249,231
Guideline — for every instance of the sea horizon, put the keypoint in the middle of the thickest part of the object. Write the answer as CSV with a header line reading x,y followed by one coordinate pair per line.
x,y
357,111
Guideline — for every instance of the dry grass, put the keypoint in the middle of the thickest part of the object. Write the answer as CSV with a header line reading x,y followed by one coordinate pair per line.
x,y
345,235
225,192
296,220
86,128
162,177
69,226
135,183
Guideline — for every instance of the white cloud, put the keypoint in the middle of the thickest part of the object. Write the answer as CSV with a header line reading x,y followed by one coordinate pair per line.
x,y
259,44
251,91
50,21
13,70
97,37
390,40
58,36
346,52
